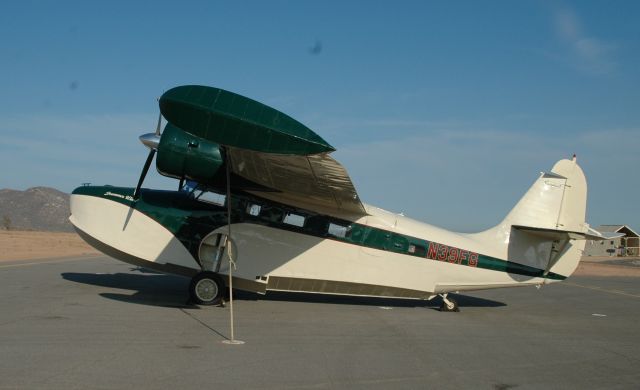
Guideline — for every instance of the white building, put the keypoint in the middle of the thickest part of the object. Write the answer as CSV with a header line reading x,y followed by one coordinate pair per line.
x,y
628,245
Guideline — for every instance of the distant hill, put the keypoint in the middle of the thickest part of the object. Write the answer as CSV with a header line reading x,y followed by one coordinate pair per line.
x,y
38,208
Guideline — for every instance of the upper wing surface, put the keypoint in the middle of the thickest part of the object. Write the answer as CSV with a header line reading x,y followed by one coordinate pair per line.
x,y
234,120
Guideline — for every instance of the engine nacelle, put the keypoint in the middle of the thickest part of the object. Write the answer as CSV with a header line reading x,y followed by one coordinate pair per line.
x,y
183,155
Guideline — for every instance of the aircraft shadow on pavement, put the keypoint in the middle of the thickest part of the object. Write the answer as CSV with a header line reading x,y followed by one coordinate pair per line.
x,y
148,287
463,300
157,289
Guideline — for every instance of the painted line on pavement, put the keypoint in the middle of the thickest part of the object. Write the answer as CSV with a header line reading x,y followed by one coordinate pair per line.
x,y
46,261
596,288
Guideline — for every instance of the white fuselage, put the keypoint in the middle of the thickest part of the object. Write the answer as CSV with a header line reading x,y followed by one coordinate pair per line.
x,y
269,258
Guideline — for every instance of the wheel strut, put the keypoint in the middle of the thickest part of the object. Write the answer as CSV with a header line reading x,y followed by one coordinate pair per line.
x,y
448,304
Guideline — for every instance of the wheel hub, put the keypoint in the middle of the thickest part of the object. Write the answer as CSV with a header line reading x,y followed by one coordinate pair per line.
x,y
206,289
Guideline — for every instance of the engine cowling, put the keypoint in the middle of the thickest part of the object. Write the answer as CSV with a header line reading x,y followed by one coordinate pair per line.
x,y
183,155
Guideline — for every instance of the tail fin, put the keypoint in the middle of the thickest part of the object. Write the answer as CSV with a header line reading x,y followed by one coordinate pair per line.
x,y
556,201
547,228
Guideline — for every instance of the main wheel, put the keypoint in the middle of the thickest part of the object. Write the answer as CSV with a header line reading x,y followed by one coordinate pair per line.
x,y
207,288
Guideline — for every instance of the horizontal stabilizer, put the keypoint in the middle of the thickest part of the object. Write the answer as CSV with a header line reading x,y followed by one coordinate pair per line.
x,y
600,236
555,234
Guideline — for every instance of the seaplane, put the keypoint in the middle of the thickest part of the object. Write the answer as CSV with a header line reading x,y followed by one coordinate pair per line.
x,y
262,206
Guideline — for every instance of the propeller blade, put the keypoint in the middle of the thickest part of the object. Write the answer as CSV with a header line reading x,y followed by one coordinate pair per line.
x,y
150,140
145,169
159,124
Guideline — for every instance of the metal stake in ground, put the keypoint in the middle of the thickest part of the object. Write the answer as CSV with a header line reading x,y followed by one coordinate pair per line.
x,y
230,253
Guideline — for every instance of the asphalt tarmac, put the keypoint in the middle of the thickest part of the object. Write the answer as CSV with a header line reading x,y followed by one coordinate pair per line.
x,y
99,323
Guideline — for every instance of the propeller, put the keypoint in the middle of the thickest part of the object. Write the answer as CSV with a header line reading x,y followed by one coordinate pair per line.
x,y
151,141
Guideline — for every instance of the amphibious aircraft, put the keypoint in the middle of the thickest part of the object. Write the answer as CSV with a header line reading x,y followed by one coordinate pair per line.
x,y
260,196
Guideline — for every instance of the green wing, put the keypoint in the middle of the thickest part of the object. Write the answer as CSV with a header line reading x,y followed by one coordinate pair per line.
x,y
266,147
229,119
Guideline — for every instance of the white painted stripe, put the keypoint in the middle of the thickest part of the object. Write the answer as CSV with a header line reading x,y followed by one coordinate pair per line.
x,y
47,261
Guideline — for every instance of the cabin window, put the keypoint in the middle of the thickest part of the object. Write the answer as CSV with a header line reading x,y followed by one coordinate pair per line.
x,y
253,209
210,197
271,214
337,230
316,224
294,219
417,250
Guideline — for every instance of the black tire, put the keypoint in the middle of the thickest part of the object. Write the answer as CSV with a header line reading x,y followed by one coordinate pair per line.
x,y
444,307
207,288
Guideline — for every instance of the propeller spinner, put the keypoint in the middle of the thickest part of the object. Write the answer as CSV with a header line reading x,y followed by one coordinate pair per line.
x,y
150,140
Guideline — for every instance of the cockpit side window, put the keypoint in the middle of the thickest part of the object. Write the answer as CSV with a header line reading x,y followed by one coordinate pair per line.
x,y
189,186
209,197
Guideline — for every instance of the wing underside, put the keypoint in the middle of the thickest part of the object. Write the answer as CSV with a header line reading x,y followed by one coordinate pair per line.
x,y
316,182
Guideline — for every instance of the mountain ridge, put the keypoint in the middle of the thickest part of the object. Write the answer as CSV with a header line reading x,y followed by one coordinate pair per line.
x,y
36,208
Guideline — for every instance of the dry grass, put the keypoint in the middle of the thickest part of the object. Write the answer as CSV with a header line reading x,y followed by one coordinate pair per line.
x,y
19,245
602,269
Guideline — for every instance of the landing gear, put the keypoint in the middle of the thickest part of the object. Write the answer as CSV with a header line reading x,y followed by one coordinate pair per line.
x,y
207,288
448,304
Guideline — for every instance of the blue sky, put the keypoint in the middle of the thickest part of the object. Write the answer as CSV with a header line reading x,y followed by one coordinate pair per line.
x,y
445,111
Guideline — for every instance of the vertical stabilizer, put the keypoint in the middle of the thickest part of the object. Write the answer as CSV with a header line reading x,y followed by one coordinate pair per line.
x,y
556,201
546,229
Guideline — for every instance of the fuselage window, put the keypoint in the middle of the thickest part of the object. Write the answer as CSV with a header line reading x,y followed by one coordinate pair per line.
x,y
210,197
253,209
294,219
337,230
417,250
271,214
316,224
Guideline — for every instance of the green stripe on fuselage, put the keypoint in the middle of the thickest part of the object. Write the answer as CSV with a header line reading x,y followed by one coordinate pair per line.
x,y
191,220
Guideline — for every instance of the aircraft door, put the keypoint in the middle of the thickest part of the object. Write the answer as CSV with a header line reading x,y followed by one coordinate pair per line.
x,y
375,238
211,251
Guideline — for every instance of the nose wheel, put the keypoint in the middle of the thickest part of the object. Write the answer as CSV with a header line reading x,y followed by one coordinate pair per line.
x,y
207,288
